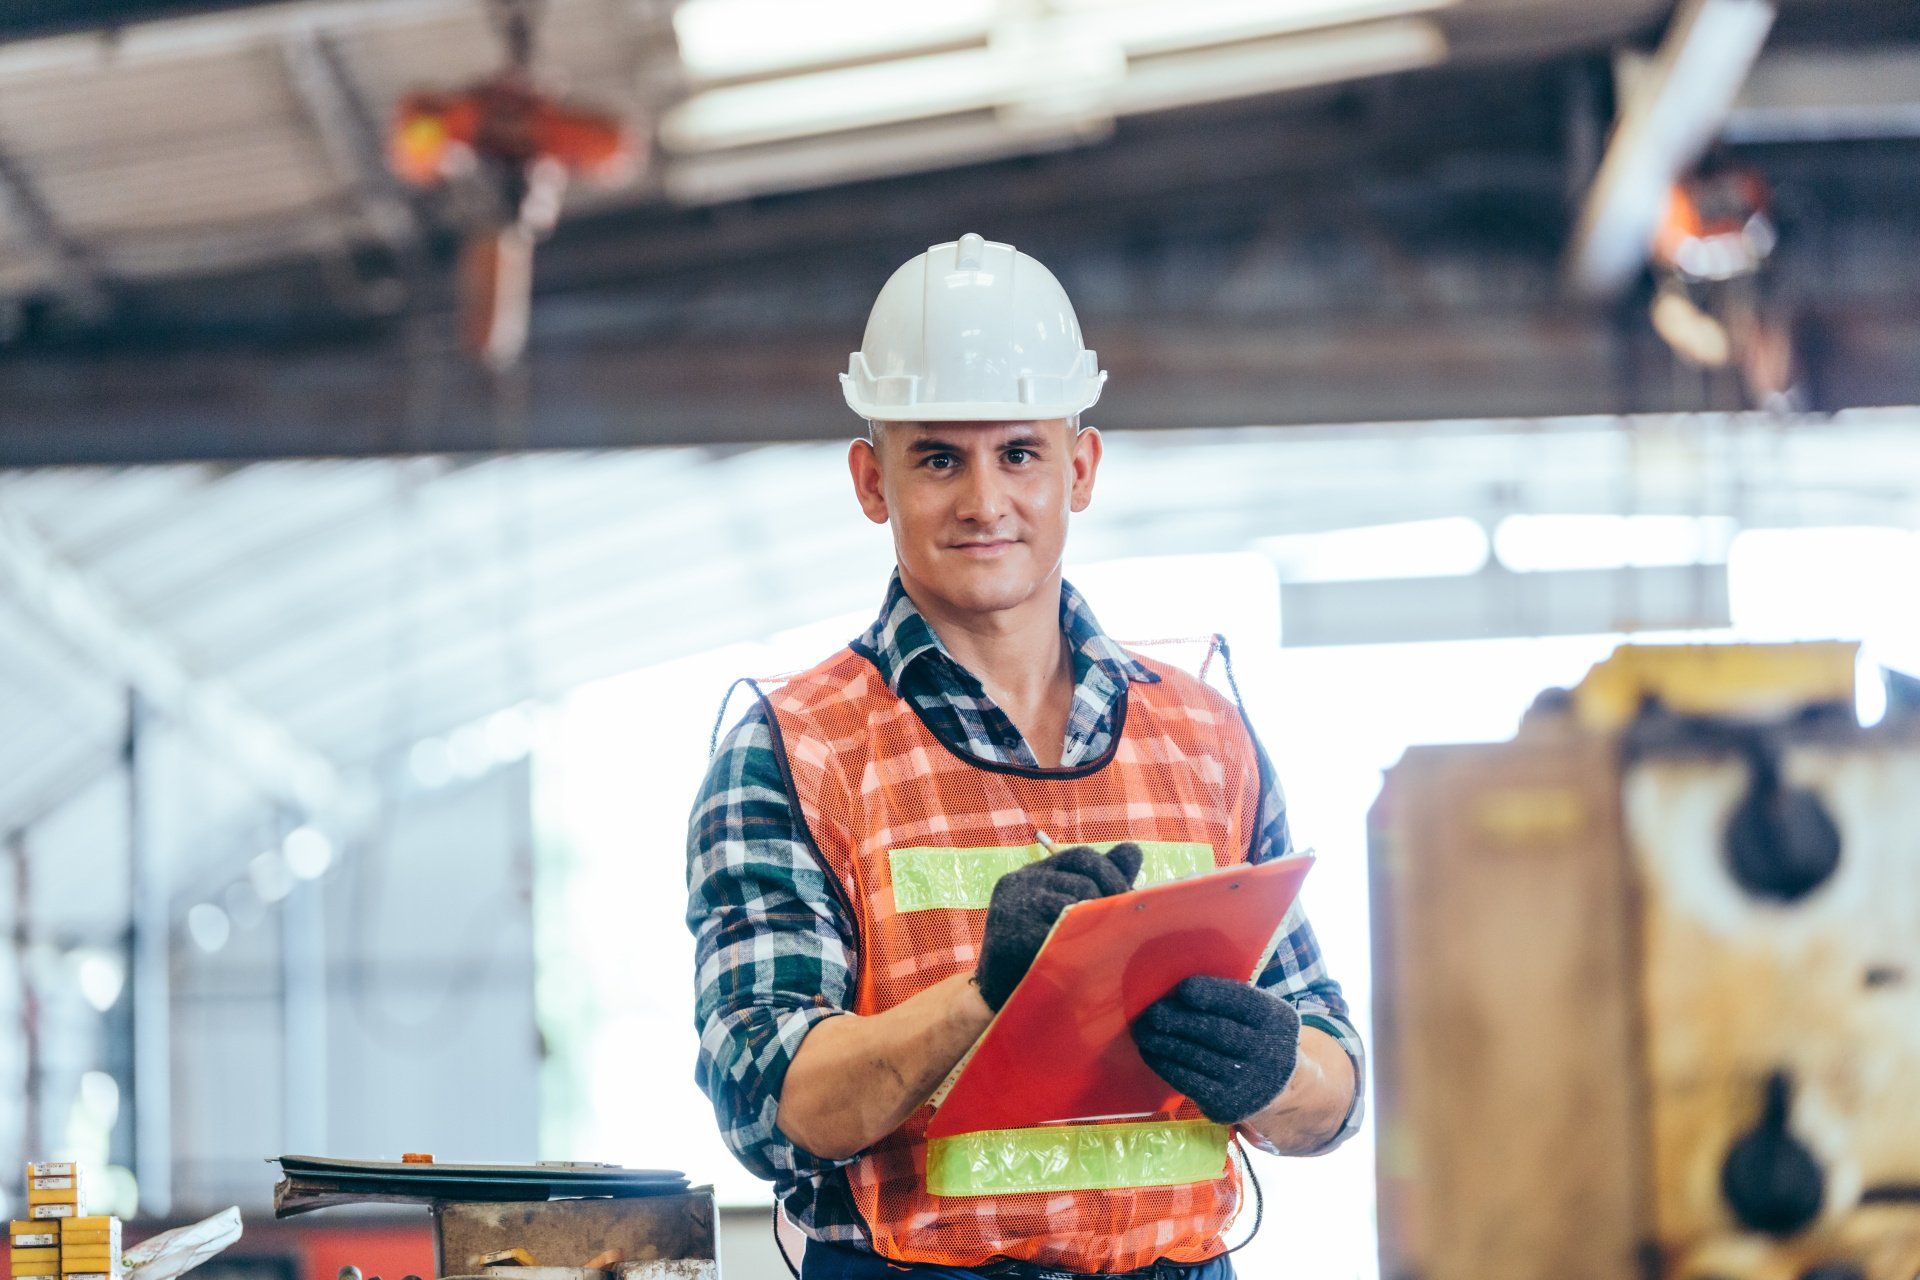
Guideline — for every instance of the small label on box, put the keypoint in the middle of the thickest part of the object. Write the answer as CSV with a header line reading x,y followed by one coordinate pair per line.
x,y
54,1210
36,1239
52,1182
51,1168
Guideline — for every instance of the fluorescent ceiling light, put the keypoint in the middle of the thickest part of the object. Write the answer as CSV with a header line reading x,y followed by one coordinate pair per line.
x,y
1145,27
1447,547
1271,66
883,93
724,39
848,157
738,39
1048,74
1544,543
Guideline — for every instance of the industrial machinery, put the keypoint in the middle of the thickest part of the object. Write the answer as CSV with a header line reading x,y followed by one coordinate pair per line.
x,y
556,1220
1648,983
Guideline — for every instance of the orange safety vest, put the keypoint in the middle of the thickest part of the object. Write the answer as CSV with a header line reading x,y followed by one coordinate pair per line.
x,y
914,834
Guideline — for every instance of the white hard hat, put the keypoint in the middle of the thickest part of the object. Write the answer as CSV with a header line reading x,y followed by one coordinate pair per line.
x,y
972,330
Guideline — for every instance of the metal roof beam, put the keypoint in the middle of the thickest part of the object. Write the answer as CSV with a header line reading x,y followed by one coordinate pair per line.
x,y
1669,117
67,266
128,407
347,129
86,616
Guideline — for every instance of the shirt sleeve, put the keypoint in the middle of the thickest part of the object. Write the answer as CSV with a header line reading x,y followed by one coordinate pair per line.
x,y
772,947
1297,971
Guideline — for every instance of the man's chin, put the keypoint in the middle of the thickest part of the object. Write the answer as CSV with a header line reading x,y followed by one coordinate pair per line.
x,y
980,589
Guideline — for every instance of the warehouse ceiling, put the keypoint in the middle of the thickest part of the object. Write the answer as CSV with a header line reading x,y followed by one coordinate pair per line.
x,y
202,142
165,139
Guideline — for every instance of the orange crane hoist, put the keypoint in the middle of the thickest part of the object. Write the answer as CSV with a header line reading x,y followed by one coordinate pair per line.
x,y
521,146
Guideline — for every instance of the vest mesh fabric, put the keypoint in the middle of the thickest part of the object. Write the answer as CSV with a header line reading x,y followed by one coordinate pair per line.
x,y
878,792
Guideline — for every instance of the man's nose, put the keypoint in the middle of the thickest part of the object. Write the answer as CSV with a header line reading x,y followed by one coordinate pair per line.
x,y
982,499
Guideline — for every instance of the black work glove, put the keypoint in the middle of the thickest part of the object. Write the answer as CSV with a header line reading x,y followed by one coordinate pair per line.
x,y
1025,903
1227,1045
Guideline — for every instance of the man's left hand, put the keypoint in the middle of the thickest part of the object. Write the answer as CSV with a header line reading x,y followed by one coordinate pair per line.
x,y
1227,1045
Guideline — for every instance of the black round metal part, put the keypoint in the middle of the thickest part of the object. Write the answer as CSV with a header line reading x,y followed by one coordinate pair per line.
x,y
1782,843
1771,1181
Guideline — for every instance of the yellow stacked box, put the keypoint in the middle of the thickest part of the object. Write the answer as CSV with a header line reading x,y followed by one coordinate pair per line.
x,y
33,1248
53,1190
33,1245
90,1248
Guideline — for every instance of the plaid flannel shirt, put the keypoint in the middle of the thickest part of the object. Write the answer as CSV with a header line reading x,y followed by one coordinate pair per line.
x,y
774,953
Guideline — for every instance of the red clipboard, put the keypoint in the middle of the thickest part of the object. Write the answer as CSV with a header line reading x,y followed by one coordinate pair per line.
x,y
1060,1049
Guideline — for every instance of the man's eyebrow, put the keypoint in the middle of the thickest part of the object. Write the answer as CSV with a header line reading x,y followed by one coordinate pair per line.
x,y
934,444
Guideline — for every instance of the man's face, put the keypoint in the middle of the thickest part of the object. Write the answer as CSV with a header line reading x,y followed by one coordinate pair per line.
x,y
978,509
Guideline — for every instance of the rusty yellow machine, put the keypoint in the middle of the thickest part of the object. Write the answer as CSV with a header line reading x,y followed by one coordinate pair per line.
x,y
1648,982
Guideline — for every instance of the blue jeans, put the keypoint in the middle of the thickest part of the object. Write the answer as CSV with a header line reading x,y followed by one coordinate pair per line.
x,y
830,1262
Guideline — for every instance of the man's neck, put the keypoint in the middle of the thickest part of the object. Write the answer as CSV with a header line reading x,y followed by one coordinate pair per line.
x,y
1018,654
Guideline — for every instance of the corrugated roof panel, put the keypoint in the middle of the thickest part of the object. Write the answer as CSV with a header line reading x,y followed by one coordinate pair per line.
x,y
266,170
113,109
213,145
86,513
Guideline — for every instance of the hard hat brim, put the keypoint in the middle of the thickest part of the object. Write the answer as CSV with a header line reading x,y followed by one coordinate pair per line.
x,y
968,410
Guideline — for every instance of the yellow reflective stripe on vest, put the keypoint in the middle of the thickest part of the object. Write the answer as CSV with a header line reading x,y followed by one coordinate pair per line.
x,y
925,879
1077,1157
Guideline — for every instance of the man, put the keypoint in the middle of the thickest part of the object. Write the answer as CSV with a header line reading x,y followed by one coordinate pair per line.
x,y
868,868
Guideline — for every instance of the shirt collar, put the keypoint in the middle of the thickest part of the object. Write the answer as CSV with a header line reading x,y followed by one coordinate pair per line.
x,y
901,636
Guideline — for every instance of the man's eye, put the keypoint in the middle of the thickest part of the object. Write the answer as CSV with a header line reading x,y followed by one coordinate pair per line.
x,y
940,461
1019,456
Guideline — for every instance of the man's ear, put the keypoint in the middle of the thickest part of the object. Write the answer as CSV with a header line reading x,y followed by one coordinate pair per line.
x,y
1087,451
863,463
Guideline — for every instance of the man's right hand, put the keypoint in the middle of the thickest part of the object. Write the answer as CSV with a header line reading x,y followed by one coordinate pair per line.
x,y
1025,903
